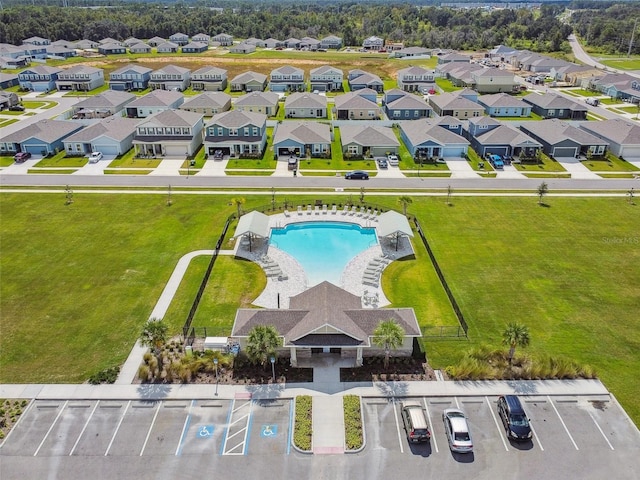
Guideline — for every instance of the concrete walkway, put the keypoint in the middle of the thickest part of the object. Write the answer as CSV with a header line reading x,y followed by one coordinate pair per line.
x,y
576,169
460,168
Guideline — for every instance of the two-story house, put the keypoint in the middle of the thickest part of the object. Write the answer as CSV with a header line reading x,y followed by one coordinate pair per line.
x,y
108,103
153,102
202,38
236,133
130,77
179,38
258,102
170,133
39,79
305,105
209,79
331,41
401,105
170,77
81,78
37,41
287,79
373,43
494,80
249,82
208,103
309,43
416,79
326,79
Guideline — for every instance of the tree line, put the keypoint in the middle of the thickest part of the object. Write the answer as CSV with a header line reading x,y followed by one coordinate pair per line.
x,y
427,26
607,27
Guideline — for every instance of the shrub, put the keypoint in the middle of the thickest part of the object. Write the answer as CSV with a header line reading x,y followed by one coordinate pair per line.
x,y
352,422
303,429
143,373
108,375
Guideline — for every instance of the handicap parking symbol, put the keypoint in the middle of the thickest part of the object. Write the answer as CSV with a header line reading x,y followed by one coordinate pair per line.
x,y
268,430
204,431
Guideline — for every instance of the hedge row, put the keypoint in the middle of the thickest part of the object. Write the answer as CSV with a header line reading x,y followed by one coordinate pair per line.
x,y
303,430
352,422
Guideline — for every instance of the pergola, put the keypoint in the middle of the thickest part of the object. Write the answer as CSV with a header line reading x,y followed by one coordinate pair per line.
x,y
253,224
393,224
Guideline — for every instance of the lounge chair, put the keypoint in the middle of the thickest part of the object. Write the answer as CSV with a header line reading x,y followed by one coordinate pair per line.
x,y
375,217
353,211
361,212
274,273
286,213
324,209
371,283
334,210
309,209
369,213
345,210
299,209
317,209
372,271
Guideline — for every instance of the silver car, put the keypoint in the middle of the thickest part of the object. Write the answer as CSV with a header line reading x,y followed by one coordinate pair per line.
x,y
457,429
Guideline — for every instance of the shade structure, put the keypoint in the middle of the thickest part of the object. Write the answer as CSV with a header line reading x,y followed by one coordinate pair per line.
x,y
392,223
253,224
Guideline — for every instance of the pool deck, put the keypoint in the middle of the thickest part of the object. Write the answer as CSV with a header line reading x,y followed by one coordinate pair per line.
x,y
286,277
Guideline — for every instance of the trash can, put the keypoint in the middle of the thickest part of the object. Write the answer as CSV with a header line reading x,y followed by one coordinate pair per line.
x,y
295,173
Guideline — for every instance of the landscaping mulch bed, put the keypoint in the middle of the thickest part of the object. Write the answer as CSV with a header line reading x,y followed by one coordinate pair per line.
x,y
404,369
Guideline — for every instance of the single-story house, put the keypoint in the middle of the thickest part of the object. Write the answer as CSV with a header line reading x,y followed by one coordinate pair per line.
x,y
453,57
208,103
427,138
401,105
258,102
302,139
174,133
249,82
195,47
140,47
168,47
504,105
155,41
43,137
326,318
623,136
409,52
273,43
457,104
368,140
305,105
111,136
104,105
357,106
242,48
57,52
153,102
488,135
359,79
256,42
552,105
8,99
560,139
112,49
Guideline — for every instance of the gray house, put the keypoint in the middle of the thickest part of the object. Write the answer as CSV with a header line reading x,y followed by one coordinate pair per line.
x,y
170,77
236,133
305,105
130,77
559,139
400,105
249,82
623,136
504,105
179,38
153,102
172,133
81,78
373,43
368,140
488,136
302,139
360,105
111,102
416,79
209,78
41,138
208,103
331,41
259,102
287,79
326,79
427,138
552,105
111,136
359,79
223,39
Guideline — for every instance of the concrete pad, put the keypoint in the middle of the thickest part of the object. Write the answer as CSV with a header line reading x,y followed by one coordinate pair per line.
x,y
460,168
213,168
328,425
168,166
509,171
576,169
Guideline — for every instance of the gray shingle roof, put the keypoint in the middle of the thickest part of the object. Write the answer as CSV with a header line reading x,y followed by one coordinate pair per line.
x,y
450,101
368,135
507,135
257,99
287,70
157,98
132,68
421,131
210,70
171,70
615,130
237,119
172,118
305,100
555,131
352,100
409,101
207,100
116,128
84,69
366,79
302,132
553,101
248,77
109,98
501,100
326,69
46,130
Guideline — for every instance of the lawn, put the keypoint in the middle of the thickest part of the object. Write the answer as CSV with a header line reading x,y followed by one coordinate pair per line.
x,y
83,278
61,160
545,164
610,164
6,160
128,160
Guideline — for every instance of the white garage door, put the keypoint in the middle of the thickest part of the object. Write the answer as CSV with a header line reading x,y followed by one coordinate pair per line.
x,y
565,152
176,151
106,149
631,152
453,151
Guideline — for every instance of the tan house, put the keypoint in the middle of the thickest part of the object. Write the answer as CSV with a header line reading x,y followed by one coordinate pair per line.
x,y
208,103
258,102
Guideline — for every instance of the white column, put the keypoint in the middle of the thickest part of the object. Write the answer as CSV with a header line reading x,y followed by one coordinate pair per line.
x,y
294,358
359,357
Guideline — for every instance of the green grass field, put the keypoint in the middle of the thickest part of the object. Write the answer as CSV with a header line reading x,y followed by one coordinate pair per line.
x,y
80,280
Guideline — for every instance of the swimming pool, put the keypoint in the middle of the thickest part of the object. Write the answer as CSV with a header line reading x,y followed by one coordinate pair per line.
x,y
323,248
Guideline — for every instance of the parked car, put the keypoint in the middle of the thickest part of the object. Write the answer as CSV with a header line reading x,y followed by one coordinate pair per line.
x,y
514,419
457,430
496,161
95,157
382,163
21,157
16,108
415,422
393,160
217,155
357,175
292,163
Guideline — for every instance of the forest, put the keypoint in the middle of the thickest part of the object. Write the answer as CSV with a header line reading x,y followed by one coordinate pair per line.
x,y
428,26
608,27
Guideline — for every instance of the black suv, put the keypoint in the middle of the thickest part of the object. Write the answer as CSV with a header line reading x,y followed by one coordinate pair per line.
x,y
514,419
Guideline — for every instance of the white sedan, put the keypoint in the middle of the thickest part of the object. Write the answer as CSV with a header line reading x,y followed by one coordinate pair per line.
x,y
95,157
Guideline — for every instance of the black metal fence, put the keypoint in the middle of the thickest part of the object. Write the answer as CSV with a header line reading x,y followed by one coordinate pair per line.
x,y
203,283
445,285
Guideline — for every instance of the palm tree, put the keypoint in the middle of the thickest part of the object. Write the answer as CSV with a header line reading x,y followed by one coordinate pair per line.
x,y
262,342
543,188
388,335
405,202
238,202
515,335
154,336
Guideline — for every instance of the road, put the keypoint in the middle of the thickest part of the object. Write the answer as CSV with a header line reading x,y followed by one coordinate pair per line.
x,y
584,57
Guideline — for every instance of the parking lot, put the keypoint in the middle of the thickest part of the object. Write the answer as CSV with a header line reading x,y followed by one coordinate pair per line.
x,y
573,437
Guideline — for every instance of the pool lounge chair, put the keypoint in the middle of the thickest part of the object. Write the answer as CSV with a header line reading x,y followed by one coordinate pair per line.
x,y
334,210
345,210
274,273
372,270
309,209
317,209
286,213
324,209
371,283
299,209
361,212
353,211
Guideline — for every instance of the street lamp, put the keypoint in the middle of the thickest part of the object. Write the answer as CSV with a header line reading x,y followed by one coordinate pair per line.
x,y
273,368
215,362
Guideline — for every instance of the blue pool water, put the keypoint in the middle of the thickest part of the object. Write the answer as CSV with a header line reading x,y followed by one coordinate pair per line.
x,y
323,248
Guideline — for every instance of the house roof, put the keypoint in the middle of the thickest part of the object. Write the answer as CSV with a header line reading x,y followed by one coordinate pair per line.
x,y
46,130
414,51
41,70
366,79
414,71
331,38
132,68
306,133
430,129
615,130
287,70
111,46
237,119
326,69
368,136
139,46
353,100
249,77
450,101
305,100
157,40
108,98
507,135
63,43
553,101
253,223
554,131
195,45
408,102
106,40
83,69
207,99
171,70
325,305
179,35
115,128
502,100
243,46
453,56
167,45
257,99
491,72
157,98
172,118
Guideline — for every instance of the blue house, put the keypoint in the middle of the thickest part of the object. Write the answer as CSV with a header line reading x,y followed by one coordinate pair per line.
x,y
504,105
428,138
41,138
400,105
39,79
489,136
300,139
236,133
131,77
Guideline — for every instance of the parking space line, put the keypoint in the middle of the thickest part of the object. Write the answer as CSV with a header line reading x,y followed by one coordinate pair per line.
x,y
536,435
84,428
51,428
185,427
433,435
117,428
155,415
15,426
601,432
395,415
495,420
290,435
562,421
